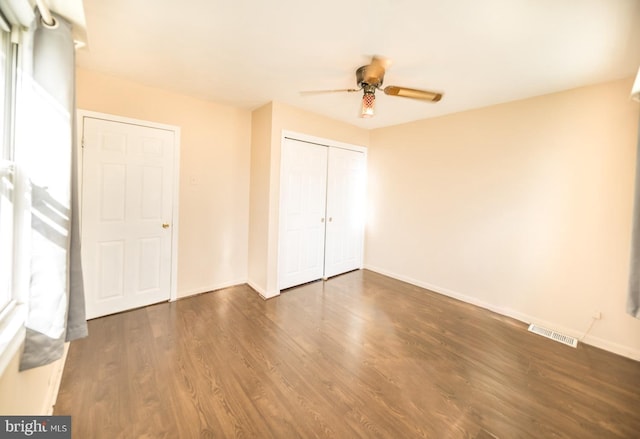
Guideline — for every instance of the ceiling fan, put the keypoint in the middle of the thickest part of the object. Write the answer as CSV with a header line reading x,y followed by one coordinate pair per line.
x,y
369,79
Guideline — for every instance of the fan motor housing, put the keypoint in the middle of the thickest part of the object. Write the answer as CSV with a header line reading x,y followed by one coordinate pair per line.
x,y
360,79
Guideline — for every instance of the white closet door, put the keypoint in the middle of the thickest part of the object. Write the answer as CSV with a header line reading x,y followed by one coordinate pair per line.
x,y
302,212
345,211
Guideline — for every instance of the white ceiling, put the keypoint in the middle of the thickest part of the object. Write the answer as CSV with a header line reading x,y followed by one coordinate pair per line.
x,y
246,53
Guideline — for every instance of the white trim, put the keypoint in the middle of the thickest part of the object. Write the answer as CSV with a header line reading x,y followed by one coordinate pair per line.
x,y
175,224
209,289
13,316
262,293
81,114
320,141
12,333
616,348
18,12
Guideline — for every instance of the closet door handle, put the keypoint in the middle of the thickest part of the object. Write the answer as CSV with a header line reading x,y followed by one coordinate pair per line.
x,y
321,220
330,219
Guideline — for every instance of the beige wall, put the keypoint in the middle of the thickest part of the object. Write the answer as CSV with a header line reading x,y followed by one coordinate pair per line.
x,y
259,198
31,392
523,208
264,268
214,174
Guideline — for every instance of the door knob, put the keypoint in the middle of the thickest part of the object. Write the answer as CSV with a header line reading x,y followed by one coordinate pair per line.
x,y
165,225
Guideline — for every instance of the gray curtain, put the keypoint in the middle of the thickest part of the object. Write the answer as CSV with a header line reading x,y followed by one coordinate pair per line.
x,y
56,311
633,299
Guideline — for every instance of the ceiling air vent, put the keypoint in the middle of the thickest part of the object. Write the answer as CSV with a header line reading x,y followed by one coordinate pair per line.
x,y
553,335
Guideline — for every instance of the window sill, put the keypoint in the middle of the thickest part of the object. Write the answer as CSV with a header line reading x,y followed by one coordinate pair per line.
x,y
12,333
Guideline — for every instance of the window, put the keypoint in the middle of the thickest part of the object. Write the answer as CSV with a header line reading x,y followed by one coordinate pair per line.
x,y
12,312
7,87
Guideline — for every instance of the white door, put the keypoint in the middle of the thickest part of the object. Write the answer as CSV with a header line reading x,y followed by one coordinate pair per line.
x,y
127,186
345,211
302,212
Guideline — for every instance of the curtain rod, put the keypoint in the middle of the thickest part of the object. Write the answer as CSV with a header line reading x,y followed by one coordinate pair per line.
x,y
47,18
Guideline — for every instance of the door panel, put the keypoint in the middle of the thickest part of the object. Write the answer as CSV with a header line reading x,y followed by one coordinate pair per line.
x,y
302,211
149,257
126,198
110,264
345,211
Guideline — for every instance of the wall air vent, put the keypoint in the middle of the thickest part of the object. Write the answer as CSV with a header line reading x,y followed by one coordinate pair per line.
x,y
553,335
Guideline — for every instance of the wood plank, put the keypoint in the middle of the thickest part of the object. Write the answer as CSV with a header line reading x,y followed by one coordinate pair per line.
x,y
359,355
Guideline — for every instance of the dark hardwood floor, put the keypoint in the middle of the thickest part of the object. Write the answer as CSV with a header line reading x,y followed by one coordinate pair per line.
x,y
360,355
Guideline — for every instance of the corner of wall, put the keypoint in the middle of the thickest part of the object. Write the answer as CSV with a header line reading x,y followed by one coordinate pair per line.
x,y
259,176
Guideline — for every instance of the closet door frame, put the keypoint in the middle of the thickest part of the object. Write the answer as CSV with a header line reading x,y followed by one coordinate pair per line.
x,y
286,134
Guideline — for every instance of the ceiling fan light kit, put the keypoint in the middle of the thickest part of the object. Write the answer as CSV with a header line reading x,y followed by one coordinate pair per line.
x,y
368,105
369,79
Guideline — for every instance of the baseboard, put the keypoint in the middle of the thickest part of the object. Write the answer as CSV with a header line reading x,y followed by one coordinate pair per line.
x,y
598,342
54,382
195,291
590,340
616,348
261,292
210,288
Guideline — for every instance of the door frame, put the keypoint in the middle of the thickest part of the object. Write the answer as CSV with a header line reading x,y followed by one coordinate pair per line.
x,y
293,135
80,116
320,141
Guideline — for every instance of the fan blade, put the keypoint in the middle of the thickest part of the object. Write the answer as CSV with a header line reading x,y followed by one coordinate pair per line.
x,y
374,72
318,92
412,93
